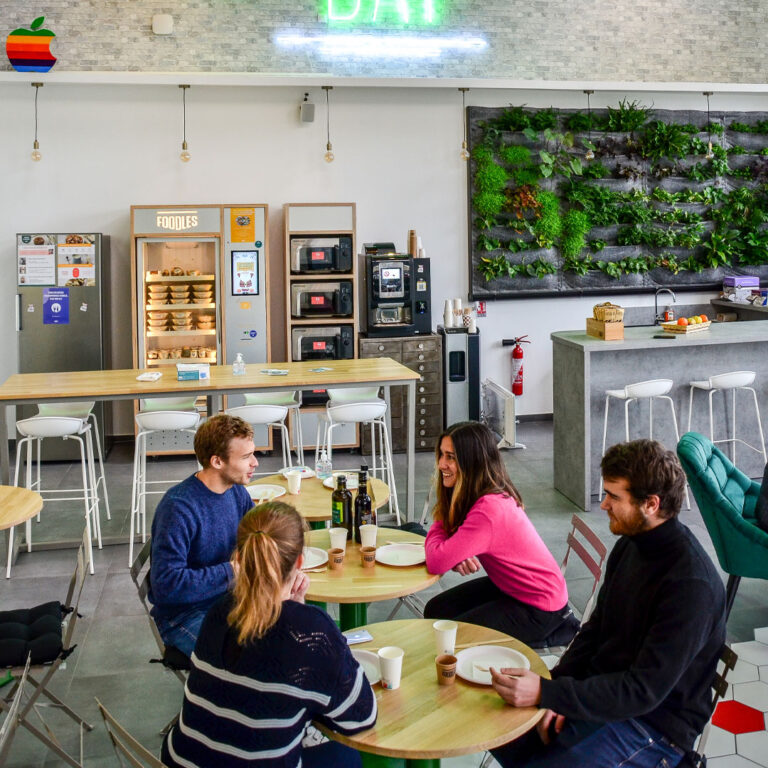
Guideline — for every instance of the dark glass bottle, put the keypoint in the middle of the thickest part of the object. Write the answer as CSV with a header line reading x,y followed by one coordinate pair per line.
x,y
363,505
341,506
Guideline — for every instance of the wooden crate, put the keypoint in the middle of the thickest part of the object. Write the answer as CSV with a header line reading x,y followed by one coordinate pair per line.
x,y
605,331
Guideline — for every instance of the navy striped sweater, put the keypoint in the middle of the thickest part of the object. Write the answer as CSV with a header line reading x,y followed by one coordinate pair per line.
x,y
249,705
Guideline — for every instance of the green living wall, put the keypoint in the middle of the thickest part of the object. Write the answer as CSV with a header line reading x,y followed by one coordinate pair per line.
x,y
624,199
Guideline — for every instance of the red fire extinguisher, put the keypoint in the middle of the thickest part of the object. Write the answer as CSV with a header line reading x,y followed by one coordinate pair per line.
x,y
517,362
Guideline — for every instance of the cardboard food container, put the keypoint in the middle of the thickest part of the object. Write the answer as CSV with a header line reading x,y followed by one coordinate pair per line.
x,y
193,371
606,331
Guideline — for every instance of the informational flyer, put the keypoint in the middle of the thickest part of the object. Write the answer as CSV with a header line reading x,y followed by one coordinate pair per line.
x,y
55,306
245,273
242,225
76,260
36,260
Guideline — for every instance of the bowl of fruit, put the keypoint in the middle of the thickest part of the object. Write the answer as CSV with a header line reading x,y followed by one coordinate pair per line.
x,y
691,324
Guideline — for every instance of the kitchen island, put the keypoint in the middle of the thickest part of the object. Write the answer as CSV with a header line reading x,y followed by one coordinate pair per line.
x,y
584,367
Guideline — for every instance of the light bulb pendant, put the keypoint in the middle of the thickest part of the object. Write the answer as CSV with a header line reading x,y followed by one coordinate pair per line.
x,y
710,154
36,154
589,155
329,156
185,155
464,153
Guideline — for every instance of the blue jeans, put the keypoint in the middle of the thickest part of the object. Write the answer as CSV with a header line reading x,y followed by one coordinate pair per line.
x,y
626,744
182,630
330,753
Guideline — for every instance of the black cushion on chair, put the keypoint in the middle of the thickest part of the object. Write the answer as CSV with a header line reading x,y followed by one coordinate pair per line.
x,y
35,631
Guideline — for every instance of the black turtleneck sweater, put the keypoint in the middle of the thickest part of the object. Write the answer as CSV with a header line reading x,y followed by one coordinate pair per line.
x,y
650,648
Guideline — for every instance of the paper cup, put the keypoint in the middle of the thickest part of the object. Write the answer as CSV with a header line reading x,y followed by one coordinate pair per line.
x,y
293,479
446,669
391,664
338,538
368,557
445,636
368,535
336,558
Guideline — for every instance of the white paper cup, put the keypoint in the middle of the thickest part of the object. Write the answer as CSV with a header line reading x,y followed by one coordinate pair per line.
x,y
368,535
293,479
445,636
391,663
338,538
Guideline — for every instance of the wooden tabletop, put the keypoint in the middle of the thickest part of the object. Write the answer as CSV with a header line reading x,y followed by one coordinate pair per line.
x,y
42,387
313,502
422,720
17,505
355,584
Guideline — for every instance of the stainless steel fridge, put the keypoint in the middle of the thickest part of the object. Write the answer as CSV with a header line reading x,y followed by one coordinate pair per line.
x,y
61,316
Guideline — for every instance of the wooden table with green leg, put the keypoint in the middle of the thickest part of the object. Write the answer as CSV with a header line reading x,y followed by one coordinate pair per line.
x,y
353,587
421,722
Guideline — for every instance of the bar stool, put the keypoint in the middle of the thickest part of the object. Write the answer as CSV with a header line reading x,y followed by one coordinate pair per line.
x,y
35,430
268,416
360,405
641,390
733,381
174,414
292,401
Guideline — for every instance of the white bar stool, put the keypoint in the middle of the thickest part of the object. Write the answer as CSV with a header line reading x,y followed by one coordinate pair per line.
x,y
733,381
292,401
360,405
268,416
641,390
34,430
160,415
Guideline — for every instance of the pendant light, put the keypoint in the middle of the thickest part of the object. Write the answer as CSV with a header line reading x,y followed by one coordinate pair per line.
x,y
329,156
710,154
185,156
464,153
36,154
589,154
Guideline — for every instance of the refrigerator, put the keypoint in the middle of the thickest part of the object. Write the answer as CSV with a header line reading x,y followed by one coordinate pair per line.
x,y
61,321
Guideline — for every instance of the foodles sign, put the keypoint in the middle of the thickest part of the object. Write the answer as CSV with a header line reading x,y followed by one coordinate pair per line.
x,y
176,221
381,11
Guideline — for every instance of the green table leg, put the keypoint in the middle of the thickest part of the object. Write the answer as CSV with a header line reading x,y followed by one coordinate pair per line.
x,y
352,615
423,763
321,606
379,761
317,525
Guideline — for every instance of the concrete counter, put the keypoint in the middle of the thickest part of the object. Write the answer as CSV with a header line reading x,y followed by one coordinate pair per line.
x,y
584,367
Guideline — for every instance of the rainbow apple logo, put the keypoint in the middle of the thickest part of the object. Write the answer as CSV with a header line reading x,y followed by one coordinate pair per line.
x,y
29,49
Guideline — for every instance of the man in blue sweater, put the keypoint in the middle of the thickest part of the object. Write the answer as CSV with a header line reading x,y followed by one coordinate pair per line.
x,y
634,687
194,530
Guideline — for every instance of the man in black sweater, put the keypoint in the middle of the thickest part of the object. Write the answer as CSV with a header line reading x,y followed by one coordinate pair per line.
x,y
633,688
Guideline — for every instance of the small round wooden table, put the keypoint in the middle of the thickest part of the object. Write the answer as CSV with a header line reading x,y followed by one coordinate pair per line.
x,y
421,721
313,502
353,587
17,505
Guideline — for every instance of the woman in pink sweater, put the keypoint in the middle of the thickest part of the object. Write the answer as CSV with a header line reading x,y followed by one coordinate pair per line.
x,y
480,522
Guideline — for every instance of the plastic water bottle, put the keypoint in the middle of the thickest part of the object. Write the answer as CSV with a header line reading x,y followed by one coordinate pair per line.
x,y
323,468
238,365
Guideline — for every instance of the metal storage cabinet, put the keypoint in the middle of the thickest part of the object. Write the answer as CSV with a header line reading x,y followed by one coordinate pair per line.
x,y
422,354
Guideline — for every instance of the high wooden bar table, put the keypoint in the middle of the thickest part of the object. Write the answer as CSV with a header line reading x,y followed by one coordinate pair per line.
x,y
584,367
33,388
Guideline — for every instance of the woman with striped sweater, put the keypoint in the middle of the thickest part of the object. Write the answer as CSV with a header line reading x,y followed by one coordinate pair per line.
x,y
266,665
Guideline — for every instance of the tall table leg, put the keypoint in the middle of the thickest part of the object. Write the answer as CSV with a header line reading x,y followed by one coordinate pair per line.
x,y
5,459
352,615
411,427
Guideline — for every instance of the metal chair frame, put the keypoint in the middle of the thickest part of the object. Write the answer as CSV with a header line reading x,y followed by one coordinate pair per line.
x,y
125,745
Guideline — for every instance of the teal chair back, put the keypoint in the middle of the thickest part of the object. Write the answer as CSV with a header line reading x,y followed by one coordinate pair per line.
x,y
726,498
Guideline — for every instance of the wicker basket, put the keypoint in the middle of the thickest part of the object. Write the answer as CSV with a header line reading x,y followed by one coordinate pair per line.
x,y
608,313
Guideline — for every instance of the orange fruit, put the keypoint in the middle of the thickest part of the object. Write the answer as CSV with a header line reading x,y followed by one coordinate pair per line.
x,y
682,321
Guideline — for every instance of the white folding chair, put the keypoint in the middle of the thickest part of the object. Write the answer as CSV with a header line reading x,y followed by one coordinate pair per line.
x,y
12,721
125,745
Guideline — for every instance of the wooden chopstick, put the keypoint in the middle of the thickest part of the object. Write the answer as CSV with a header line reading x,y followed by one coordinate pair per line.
x,y
485,642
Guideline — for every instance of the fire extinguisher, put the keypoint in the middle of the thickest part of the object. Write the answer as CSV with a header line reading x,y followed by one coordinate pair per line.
x,y
517,362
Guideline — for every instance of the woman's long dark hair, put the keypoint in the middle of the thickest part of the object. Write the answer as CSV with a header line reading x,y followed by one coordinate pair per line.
x,y
480,471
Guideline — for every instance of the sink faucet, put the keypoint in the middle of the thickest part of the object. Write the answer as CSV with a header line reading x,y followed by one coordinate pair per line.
x,y
657,317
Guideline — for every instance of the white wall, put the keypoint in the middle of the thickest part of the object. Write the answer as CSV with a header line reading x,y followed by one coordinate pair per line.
x,y
108,147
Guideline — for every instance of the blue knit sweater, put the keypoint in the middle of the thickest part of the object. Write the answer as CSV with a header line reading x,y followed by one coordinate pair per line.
x,y
193,537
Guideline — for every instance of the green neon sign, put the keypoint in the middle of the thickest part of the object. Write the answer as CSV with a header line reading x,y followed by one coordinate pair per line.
x,y
381,12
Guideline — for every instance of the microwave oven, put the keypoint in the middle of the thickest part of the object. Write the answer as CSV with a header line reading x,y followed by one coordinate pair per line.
x,y
322,299
323,343
321,254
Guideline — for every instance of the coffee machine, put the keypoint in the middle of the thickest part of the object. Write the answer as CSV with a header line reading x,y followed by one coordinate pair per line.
x,y
398,289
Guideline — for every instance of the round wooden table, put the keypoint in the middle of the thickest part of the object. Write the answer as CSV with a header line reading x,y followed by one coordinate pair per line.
x,y
422,721
17,505
313,502
353,587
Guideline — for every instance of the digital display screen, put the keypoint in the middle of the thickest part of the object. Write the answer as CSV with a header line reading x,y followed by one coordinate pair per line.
x,y
245,273
318,346
391,273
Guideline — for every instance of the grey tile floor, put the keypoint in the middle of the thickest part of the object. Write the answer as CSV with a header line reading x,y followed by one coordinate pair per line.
x,y
114,640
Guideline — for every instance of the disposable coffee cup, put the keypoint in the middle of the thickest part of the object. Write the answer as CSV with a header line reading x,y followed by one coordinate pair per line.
x,y
293,480
368,557
338,538
391,666
445,636
446,669
368,535
336,558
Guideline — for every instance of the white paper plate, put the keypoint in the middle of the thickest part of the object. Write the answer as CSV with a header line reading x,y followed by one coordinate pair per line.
x,y
314,557
369,661
305,471
400,554
265,492
495,656
352,480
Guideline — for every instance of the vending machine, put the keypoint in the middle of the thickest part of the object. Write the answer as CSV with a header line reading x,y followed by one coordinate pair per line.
x,y
200,287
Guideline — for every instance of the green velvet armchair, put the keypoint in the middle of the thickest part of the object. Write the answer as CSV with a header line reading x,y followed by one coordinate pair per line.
x,y
726,498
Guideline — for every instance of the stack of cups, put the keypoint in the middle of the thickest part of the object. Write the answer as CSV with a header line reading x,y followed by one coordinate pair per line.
x,y
445,645
457,313
338,548
448,314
